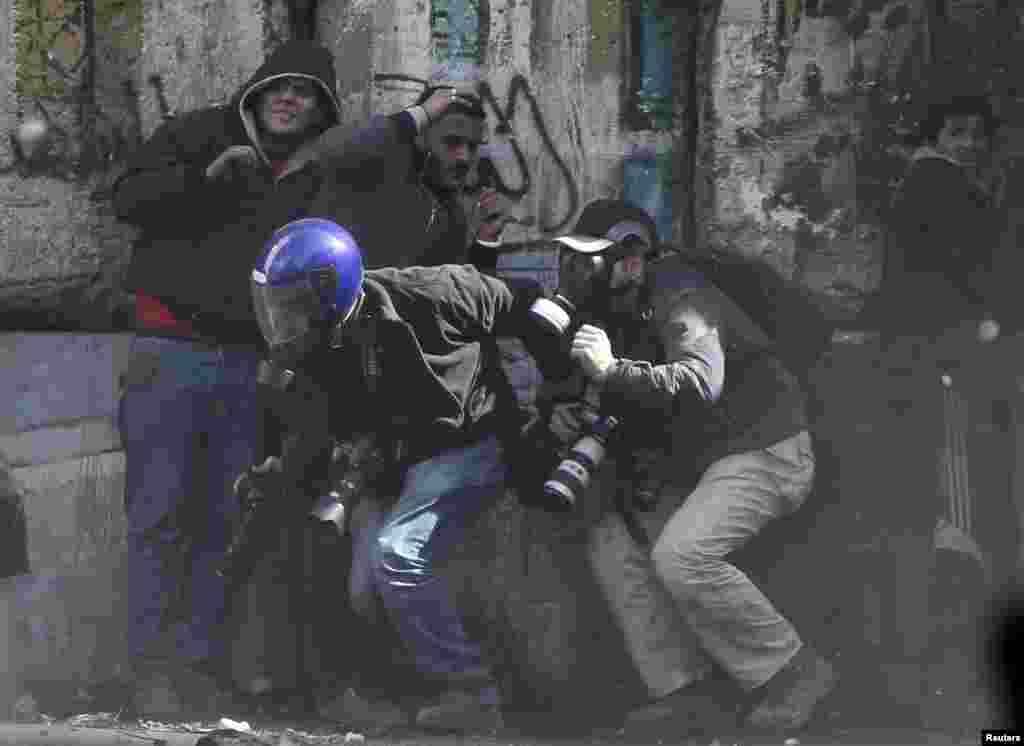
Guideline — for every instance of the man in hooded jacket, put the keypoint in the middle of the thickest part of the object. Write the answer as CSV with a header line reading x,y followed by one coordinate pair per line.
x,y
206,190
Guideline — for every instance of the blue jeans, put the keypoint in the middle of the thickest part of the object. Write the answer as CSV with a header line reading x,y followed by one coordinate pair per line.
x,y
189,422
439,501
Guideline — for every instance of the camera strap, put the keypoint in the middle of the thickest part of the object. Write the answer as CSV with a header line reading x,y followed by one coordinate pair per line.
x,y
633,527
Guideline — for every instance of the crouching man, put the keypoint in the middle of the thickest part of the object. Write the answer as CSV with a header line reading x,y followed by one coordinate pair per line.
x,y
719,410
409,356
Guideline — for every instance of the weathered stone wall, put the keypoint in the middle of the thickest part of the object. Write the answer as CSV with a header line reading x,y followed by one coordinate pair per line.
x,y
201,52
808,118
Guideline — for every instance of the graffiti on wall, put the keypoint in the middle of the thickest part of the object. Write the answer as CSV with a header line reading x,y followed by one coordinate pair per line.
x,y
79,106
459,29
655,96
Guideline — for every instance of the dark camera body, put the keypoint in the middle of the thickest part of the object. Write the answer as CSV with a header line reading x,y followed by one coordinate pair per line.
x,y
354,467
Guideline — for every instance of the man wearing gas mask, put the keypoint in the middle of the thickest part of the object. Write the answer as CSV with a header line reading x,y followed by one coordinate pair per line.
x,y
601,266
718,425
407,356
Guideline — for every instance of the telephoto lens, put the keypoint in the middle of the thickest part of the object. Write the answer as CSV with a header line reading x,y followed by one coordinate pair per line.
x,y
573,475
555,314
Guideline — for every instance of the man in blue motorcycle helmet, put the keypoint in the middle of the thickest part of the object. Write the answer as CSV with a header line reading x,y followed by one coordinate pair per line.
x,y
406,355
308,283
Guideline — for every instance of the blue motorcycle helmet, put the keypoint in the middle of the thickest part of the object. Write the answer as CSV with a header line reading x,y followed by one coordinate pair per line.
x,y
307,282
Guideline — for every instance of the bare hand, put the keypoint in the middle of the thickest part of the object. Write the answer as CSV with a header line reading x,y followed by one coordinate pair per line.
x,y
236,157
442,98
494,211
244,483
988,331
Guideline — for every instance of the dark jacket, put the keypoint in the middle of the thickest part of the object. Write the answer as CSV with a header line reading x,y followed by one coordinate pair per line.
x,y
374,186
939,250
440,385
199,240
727,395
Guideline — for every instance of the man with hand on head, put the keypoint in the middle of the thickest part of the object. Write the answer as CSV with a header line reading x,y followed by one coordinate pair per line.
x,y
405,187
402,184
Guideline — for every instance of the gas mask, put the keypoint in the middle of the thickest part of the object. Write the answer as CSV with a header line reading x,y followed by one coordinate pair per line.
x,y
291,319
598,282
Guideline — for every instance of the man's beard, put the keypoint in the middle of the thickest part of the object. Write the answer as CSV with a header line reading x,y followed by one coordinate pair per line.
x,y
444,180
615,303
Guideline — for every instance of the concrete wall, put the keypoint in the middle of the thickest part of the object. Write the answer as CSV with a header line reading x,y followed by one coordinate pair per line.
x,y
805,121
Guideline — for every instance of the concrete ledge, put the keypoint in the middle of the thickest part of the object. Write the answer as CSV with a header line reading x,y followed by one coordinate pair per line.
x,y
58,378
60,442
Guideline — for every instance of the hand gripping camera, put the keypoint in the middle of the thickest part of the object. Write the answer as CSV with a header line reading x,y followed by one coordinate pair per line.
x,y
253,530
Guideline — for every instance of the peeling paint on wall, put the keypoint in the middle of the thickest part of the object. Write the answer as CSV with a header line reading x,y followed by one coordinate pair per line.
x,y
805,156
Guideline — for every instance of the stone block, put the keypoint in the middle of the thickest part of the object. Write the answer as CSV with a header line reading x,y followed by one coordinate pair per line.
x,y
57,379
57,443
69,624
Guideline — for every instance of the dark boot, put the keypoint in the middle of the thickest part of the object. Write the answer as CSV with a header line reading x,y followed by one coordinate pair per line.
x,y
792,695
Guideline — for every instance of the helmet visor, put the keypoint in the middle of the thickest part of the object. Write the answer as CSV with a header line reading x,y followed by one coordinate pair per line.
x,y
285,312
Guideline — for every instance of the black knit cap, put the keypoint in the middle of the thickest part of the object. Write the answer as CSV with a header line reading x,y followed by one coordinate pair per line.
x,y
605,222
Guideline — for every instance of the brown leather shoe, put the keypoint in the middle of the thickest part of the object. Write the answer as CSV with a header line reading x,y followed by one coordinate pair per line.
x,y
794,692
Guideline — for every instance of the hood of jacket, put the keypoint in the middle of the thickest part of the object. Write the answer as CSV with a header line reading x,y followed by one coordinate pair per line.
x,y
294,59
926,152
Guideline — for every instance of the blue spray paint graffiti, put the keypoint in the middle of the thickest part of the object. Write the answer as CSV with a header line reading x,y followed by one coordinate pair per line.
x,y
655,31
647,177
647,173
